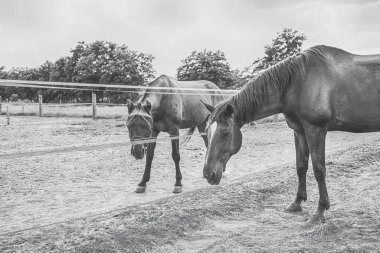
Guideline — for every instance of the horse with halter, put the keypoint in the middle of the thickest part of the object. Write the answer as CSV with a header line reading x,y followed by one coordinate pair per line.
x,y
322,89
168,111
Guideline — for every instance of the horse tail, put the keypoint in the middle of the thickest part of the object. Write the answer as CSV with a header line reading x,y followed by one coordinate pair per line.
x,y
188,136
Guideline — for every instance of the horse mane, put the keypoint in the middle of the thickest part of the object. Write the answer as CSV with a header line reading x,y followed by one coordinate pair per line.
x,y
278,77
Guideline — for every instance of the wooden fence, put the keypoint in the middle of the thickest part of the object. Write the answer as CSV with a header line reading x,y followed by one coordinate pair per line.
x,y
42,109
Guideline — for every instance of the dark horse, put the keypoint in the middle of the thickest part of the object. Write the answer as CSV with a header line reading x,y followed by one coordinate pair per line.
x,y
168,111
322,89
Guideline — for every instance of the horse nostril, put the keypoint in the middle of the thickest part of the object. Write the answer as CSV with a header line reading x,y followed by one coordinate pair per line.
x,y
210,176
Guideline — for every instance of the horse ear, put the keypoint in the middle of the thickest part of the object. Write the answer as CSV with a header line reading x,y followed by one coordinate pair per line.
x,y
209,107
147,105
130,106
228,111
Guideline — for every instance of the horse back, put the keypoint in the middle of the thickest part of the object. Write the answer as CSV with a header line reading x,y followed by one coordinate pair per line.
x,y
341,90
193,111
180,108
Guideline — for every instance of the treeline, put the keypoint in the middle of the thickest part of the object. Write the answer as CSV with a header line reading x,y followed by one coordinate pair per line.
x,y
104,62
100,62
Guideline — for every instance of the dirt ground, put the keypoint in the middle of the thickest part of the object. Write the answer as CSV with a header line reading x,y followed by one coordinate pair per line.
x,y
84,201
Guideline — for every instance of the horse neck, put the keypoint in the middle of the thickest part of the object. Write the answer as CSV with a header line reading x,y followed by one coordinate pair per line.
x,y
156,96
270,107
267,103
148,96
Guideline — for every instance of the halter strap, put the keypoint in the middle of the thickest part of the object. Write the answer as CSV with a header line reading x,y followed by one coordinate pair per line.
x,y
147,118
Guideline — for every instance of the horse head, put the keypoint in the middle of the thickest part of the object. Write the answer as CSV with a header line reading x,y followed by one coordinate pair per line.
x,y
224,140
139,123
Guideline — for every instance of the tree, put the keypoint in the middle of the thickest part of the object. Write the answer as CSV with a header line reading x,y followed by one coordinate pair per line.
x,y
206,65
287,43
105,62
98,62
29,74
58,73
3,73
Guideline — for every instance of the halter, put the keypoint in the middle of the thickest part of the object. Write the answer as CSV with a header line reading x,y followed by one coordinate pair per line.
x,y
147,118
130,120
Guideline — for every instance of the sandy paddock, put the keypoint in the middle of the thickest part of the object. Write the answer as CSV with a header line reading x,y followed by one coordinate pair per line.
x,y
85,201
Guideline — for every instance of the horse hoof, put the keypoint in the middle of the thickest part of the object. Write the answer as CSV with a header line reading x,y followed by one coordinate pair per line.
x,y
140,189
293,208
316,218
177,189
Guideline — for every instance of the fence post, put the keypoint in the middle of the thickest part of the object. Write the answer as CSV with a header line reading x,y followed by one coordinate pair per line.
x,y
93,105
40,105
7,115
0,104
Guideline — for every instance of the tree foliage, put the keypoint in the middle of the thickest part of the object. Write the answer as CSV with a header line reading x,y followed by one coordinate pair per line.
x,y
206,65
100,62
287,43
30,74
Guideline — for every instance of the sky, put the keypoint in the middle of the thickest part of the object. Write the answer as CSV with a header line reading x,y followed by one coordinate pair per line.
x,y
33,31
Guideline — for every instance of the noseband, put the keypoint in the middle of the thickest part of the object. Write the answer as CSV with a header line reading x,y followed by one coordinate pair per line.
x,y
131,126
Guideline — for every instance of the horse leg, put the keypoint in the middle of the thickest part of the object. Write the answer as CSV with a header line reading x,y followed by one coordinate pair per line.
x,y
149,158
316,137
302,160
201,129
176,158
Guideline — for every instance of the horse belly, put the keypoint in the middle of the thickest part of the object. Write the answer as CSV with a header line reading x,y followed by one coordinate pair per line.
x,y
358,119
356,101
194,118
193,111
355,127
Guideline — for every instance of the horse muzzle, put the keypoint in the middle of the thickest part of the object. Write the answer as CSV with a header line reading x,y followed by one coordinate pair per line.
x,y
138,151
213,176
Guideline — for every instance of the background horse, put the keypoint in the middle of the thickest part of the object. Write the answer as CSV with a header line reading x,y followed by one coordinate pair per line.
x,y
322,89
157,112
